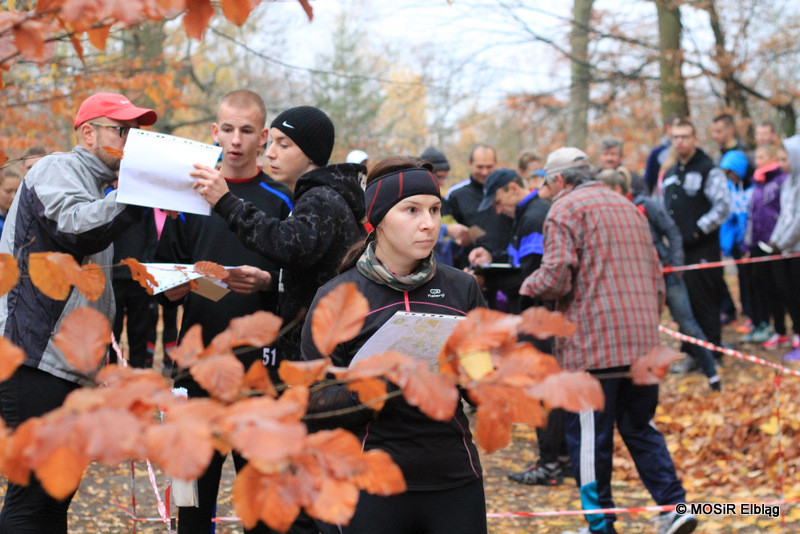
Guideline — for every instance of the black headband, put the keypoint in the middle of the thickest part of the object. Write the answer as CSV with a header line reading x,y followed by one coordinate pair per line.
x,y
386,191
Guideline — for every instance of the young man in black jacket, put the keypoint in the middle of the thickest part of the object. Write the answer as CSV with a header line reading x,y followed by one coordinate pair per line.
x,y
325,222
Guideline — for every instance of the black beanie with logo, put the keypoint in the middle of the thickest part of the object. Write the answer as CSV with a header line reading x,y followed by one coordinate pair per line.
x,y
310,129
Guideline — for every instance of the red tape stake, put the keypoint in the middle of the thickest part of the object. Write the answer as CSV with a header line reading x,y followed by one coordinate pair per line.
x,y
715,264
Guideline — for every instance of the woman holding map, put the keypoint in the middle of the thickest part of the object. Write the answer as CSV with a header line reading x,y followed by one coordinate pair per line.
x,y
395,270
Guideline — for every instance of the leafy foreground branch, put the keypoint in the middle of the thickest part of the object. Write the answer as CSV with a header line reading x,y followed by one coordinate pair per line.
x,y
132,413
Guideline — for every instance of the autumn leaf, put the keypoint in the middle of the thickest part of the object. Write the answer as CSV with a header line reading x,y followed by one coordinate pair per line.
x,y
90,281
433,393
382,477
335,502
302,373
338,317
650,369
308,9
98,37
113,152
543,323
481,330
16,466
257,379
3,157
237,11
264,496
259,329
220,375
182,448
211,270
493,426
60,474
83,338
30,38
11,357
190,347
574,392
111,435
197,18
140,274
48,276
368,390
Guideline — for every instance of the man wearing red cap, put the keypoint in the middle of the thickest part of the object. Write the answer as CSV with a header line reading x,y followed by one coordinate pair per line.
x,y
60,207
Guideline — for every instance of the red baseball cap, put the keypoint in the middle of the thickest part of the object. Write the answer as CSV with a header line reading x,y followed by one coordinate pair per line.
x,y
114,106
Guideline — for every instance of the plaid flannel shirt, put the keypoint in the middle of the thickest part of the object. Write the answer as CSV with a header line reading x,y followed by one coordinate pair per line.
x,y
602,270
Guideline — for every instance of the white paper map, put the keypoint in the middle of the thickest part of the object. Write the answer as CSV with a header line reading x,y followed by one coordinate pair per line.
x,y
154,171
419,335
169,275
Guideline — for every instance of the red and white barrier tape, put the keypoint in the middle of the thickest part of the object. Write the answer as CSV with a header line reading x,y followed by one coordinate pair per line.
x,y
729,352
722,263
162,509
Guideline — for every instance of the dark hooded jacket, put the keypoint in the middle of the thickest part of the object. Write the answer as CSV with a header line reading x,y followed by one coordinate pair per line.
x,y
310,244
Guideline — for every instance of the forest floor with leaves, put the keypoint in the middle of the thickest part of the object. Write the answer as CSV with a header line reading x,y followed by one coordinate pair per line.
x,y
725,447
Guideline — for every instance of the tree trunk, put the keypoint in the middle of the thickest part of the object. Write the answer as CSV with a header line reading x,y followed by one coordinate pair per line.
x,y
672,85
577,123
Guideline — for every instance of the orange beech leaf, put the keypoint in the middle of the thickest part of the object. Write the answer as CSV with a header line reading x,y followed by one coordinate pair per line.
x,y
257,379
383,476
335,502
76,45
98,38
197,18
525,359
307,8
262,496
60,474
237,11
9,273
302,373
15,461
493,426
337,452
543,323
368,390
91,281
435,394
574,392
651,368
113,152
140,274
111,435
220,375
258,329
258,429
48,276
83,338
3,157
338,317
190,347
11,357
482,329
182,448
211,270
30,38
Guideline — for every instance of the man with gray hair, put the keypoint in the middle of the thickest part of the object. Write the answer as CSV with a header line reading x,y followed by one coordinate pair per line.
x,y
600,267
611,158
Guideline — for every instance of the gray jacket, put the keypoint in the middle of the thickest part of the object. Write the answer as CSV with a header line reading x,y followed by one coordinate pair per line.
x,y
786,234
60,207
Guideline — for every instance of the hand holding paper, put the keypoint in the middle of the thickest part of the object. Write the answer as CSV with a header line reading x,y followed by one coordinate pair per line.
x,y
210,183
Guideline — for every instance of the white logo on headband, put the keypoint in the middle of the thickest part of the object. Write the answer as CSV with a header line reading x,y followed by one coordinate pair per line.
x,y
288,125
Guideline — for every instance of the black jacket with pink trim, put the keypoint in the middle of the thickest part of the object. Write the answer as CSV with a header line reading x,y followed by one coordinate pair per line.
x,y
432,455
